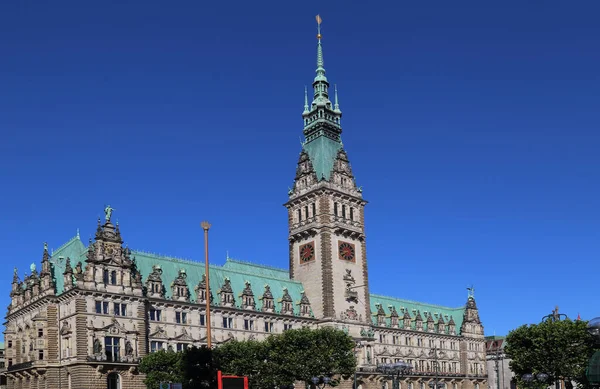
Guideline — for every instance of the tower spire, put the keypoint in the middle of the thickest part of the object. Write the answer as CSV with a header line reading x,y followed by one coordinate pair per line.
x,y
305,100
336,105
320,84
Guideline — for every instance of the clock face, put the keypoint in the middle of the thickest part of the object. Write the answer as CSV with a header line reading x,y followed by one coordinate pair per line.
x,y
307,252
347,252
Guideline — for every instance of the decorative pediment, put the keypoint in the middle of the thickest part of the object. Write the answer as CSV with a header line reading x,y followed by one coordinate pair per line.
x,y
184,336
40,317
385,353
114,328
160,333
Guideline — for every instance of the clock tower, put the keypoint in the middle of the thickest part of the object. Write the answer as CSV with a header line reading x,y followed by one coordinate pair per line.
x,y
326,213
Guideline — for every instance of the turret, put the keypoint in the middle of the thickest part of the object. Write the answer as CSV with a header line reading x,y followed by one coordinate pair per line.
x,y
46,279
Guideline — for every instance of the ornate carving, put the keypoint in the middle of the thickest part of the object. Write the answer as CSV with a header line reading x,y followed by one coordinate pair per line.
x,y
350,294
97,346
226,293
248,297
267,300
128,349
287,306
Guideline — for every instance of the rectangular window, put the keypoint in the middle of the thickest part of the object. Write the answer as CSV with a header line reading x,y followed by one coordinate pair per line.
x,y
120,309
10,363
105,276
343,211
105,307
98,306
40,332
181,317
407,340
112,348
41,355
268,326
227,322
299,215
351,213
202,320
181,347
10,344
155,314
419,342
155,346
287,326
113,277
430,342
335,209
314,210
249,325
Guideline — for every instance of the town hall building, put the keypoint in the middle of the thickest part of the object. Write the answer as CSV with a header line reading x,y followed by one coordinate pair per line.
x,y
85,316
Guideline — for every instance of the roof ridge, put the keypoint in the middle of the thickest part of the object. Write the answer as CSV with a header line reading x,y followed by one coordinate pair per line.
x,y
160,256
216,267
415,302
256,264
73,239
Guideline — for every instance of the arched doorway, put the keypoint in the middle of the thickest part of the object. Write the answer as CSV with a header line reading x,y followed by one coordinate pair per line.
x,y
114,381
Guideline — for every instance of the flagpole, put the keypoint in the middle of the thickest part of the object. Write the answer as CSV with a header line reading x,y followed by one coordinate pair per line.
x,y
206,226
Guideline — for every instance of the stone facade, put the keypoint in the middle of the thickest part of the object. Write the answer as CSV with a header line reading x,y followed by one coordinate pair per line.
x,y
2,367
500,376
92,311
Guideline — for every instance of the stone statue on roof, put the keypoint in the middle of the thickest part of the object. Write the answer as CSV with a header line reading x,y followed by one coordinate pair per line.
x,y
108,212
471,292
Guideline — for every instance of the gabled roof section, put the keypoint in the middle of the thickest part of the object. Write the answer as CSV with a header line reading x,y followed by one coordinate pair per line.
x,y
413,306
74,249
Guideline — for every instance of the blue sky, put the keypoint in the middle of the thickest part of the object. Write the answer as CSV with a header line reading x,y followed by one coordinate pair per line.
x,y
473,129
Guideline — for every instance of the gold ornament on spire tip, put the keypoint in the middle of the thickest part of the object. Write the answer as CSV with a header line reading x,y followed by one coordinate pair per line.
x,y
319,21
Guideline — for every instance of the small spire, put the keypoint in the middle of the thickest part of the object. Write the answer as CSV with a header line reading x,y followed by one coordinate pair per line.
x,y
78,236
305,99
336,106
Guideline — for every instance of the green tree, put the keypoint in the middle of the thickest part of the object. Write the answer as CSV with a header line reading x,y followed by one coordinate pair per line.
x,y
247,358
560,349
161,366
198,368
293,355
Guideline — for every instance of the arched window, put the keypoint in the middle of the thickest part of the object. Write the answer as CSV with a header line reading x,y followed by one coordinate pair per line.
x,y
114,381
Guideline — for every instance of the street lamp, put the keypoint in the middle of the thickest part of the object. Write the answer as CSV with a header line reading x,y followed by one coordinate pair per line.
x,y
593,370
436,385
395,371
541,377
321,382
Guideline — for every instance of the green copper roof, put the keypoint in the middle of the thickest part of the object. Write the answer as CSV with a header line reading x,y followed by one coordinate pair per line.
x,y
413,306
74,249
322,152
238,273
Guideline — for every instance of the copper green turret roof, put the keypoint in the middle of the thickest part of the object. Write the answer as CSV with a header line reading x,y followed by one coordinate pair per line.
x,y
322,128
